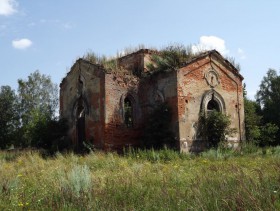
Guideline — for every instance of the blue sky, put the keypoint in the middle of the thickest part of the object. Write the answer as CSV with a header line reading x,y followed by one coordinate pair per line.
x,y
49,35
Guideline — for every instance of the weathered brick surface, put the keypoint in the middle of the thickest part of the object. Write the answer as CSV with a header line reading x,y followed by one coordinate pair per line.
x,y
186,90
192,87
84,81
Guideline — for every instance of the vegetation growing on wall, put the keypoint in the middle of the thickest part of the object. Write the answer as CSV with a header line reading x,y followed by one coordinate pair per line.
x,y
170,58
234,63
109,64
166,59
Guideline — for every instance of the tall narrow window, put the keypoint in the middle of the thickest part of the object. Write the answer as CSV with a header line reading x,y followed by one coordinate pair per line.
x,y
128,112
80,123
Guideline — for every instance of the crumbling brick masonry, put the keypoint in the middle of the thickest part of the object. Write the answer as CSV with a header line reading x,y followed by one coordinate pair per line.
x,y
110,109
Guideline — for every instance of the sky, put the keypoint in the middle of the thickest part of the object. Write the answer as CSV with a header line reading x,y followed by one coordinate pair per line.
x,y
49,35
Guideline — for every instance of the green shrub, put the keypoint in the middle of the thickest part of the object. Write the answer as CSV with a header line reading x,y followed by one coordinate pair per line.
x,y
215,128
249,148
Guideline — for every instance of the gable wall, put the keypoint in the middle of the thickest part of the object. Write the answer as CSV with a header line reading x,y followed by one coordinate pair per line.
x,y
192,86
92,92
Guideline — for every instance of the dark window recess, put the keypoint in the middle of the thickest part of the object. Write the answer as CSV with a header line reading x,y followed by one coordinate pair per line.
x,y
213,105
80,123
128,112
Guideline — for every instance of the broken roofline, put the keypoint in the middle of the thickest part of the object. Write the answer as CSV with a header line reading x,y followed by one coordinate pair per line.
x,y
150,51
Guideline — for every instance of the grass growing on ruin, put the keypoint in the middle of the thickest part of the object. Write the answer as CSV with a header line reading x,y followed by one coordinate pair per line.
x,y
141,180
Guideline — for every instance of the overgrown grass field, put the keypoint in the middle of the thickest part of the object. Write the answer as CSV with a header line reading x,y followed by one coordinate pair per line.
x,y
141,180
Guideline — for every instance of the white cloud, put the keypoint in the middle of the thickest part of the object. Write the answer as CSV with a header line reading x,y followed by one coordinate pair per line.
x,y
8,7
241,53
21,43
210,43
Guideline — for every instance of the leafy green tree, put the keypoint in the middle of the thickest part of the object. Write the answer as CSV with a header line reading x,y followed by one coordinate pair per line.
x,y
9,119
49,134
253,118
268,134
268,97
38,101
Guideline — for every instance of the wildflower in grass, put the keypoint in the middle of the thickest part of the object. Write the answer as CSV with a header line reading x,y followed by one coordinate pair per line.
x,y
175,166
19,175
21,204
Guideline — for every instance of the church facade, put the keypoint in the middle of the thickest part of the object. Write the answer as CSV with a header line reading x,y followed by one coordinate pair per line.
x,y
109,108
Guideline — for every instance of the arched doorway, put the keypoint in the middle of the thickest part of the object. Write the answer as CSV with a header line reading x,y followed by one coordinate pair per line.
x,y
80,123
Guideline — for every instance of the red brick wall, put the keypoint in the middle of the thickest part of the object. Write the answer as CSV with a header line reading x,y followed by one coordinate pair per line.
x,y
192,87
183,89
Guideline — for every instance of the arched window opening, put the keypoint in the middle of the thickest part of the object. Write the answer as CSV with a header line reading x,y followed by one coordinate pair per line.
x,y
128,112
213,105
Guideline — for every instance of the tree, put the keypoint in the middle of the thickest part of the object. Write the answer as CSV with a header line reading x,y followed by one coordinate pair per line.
x,y
9,119
38,101
268,97
253,118
268,134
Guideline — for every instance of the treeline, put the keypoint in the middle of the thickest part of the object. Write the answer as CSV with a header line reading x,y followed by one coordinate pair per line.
x,y
262,116
28,117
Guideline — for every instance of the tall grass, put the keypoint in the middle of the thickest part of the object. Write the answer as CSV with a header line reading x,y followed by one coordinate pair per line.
x,y
141,180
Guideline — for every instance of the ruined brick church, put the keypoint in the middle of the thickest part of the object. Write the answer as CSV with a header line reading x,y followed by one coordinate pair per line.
x,y
109,109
